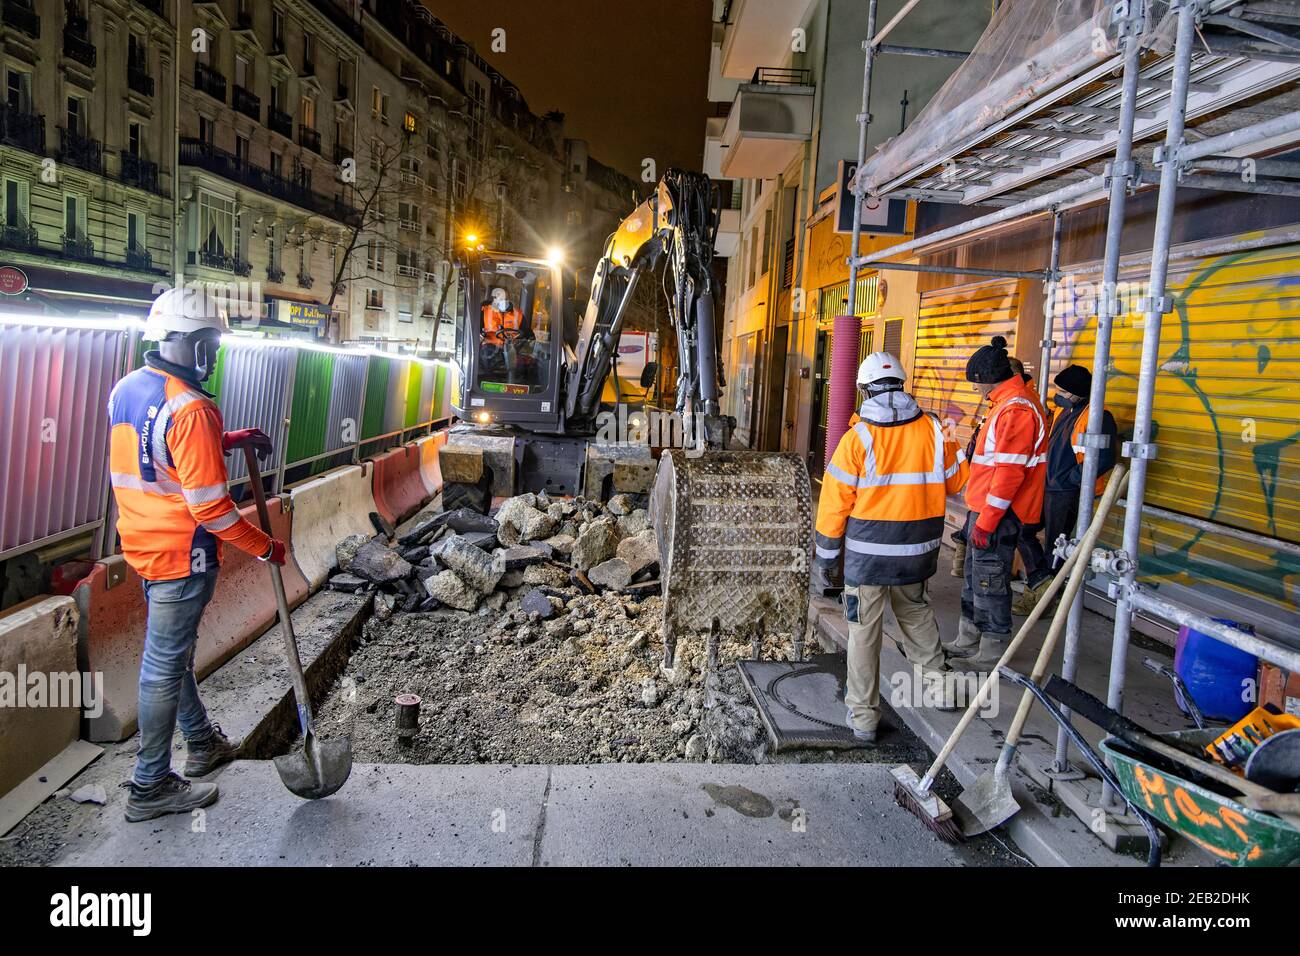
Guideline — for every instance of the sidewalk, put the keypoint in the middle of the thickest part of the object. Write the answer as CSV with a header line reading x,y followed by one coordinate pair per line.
x,y
1050,833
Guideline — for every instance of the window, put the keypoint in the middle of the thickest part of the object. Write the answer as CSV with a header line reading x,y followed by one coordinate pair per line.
x,y
277,96
308,52
216,225
74,216
408,122
277,31
407,263
379,105
18,93
241,150
272,249
277,165
243,72
206,130
16,198
374,298
134,138
767,242
76,116
408,216
375,256
308,112
134,230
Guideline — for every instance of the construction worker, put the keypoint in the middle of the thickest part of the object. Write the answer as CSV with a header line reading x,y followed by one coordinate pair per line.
x,y
1004,494
174,510
1065,468
882,506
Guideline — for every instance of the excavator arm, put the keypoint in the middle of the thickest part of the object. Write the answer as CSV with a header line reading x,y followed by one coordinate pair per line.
x,y
677,225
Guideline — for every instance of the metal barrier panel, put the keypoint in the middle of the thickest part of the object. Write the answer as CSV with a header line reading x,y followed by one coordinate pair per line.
x,y
343,425
372,422
395,399
54,386
254,386
309,413
441,395
428,381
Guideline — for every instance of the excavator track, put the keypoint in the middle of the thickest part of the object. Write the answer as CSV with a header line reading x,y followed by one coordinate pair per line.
x,y
735,536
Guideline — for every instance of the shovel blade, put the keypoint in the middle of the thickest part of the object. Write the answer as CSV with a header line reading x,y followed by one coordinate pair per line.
x,y
985,804
318,770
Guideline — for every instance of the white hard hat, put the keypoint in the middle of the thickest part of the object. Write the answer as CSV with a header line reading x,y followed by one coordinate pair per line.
x,y
187,309
880,365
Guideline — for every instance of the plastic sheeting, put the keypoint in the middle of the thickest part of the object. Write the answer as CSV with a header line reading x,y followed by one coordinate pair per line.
x,y
1029,47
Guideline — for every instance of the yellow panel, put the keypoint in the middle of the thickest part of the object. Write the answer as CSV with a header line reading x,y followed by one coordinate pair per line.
x,y
1227,414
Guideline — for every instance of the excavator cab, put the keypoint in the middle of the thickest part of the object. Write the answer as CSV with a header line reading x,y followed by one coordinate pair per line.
x,y
510,342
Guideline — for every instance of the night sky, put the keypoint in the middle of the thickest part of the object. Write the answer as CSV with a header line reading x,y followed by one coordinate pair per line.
x,y
630,77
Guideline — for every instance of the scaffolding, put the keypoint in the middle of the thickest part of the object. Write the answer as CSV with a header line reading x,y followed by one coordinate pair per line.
x,y
1032,144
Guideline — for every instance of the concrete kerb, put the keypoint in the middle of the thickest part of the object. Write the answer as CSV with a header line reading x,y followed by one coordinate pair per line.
x,y
40,635
325,510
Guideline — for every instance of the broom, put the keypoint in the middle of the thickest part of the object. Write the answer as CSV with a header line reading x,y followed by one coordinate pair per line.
x,y
916,795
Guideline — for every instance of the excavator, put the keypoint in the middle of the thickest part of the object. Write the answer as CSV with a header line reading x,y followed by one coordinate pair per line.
x,y
734,527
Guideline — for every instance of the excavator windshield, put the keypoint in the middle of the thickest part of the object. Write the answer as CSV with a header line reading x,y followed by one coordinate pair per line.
x,y
515,326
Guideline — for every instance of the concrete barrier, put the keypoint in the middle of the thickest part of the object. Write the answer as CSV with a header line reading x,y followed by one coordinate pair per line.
x,y
38,668
325,511
406,477
113,618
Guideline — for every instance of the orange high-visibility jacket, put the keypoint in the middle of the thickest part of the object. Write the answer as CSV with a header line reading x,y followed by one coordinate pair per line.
x,y
494,322
169,476
883,494
1009,466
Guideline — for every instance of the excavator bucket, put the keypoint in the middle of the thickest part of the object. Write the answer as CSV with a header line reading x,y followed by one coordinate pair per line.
x,y
735,536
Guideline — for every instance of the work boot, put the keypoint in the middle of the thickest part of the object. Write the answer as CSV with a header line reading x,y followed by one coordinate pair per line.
x,y
1028,600
989,653
958,558
967,642
172,794
210,753
940,693
866,736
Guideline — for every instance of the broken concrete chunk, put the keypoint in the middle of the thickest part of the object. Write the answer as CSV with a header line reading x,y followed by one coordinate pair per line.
x,y
634,523
348,582
385,604
535,602
511,580
484,540
89,793
547,575
464,520
474,565
596,543
516,558
377,562
613,574
560,543
521,522
620,505
415,555
347,549
447,587
639,551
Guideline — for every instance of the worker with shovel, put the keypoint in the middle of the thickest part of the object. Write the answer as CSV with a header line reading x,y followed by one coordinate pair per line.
x,y
1005,493
882,506
174,510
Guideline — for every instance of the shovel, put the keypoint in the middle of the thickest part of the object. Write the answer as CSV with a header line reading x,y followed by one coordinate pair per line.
x,y
322,766
989,802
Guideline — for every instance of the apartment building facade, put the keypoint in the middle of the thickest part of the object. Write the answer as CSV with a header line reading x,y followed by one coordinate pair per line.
x,y
321,159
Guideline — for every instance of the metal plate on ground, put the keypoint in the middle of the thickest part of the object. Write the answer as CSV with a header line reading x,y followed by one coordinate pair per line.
x,y
801,703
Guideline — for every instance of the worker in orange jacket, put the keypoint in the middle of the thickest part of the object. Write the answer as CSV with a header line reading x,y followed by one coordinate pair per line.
x,y
174,512
1005,493
882,507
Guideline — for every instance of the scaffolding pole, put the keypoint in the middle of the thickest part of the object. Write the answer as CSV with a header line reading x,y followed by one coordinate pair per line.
x,y
1121,172
1049,307
864,121
1141,450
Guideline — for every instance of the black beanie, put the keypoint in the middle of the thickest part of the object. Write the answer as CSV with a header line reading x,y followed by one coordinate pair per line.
x,y
989,364
1075,379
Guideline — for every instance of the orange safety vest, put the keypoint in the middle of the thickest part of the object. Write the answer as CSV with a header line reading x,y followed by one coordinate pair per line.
x,y
1009,465
883,496
1076,443
169,477
494,322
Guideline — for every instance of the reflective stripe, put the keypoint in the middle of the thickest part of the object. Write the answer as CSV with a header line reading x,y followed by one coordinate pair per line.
x,y
198,496
1081,449
871,478
158,437
828,552
997,502
177,402
891,550
899,478
136,483
231,517
839,474
956,465
961,455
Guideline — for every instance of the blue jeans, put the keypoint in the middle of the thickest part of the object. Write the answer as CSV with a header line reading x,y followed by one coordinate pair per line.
x,y
168,691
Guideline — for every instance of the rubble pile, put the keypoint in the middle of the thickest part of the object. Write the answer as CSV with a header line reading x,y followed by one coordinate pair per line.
x,y
532,636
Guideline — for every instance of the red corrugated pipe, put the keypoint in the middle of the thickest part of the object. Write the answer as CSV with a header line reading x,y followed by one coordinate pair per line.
x,y
844,374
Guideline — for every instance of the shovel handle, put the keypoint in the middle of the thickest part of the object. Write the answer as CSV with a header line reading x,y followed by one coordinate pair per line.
x,y
281,600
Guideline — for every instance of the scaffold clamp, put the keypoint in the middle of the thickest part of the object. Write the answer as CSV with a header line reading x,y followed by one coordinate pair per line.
x,y
1139,451
1157,305
1096,441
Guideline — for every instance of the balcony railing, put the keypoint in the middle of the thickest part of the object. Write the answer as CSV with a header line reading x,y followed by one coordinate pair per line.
x,y
76,42
24,130
137,258
194,152
77,149
410,225
305,280
279,122
207,80
274,274
248,103
309,138
138,79
23,17
138,172
78,246
216,259
20,235
782,76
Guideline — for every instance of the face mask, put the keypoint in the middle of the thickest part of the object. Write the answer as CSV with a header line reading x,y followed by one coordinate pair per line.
x,y
205,359
1061,401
